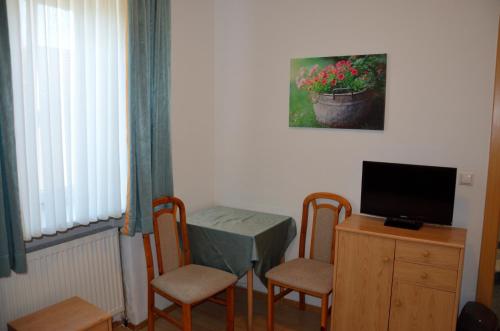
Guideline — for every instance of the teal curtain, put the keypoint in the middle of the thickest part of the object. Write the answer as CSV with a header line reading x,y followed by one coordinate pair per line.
x,y
150,174
12,252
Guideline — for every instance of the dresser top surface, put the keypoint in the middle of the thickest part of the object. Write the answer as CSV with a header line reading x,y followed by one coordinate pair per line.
x,y
447,236
71,314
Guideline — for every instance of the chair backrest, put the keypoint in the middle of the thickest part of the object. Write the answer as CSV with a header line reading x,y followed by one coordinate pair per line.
x,y
169,254
327,208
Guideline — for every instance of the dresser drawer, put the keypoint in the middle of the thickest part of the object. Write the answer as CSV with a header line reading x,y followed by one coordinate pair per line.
x,y
440,256
439,278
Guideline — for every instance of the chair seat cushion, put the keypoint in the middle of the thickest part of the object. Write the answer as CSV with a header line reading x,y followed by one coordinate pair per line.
x,y
193,283
304,274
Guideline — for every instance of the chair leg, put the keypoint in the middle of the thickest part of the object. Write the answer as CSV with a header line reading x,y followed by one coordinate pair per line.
x,y
282,289
302,301
324,312
230,308
151,305
186,317
270,305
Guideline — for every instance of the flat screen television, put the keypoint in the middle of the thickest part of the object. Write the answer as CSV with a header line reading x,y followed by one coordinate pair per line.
x,y
408,195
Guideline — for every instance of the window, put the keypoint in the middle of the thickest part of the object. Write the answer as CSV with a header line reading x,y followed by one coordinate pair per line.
x,y
68,67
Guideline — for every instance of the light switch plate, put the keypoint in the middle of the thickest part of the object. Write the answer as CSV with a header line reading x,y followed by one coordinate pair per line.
x,y
466,178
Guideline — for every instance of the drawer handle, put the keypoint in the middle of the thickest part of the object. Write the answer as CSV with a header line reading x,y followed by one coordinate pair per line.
x,y
426,254
424,275
386,259
398,303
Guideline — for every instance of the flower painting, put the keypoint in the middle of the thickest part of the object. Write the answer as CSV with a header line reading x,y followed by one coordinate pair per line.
x,y
338,92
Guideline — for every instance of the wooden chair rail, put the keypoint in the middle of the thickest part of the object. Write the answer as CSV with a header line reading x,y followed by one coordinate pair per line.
x,y
282,294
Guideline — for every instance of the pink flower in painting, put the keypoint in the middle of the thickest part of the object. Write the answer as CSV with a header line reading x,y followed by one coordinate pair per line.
x,y
300,82
313,69
353,73
302,71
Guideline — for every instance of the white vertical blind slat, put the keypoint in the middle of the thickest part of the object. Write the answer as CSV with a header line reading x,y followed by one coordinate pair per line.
x,y
68,112
122,120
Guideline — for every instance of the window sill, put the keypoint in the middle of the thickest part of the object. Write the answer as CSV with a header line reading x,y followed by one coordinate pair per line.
x,y
71,234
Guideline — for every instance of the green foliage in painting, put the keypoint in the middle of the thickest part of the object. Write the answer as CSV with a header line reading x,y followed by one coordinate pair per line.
x,y
354,73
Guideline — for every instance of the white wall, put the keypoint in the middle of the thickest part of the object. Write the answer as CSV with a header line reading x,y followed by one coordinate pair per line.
x,y
192,131
193,102
441,56
230,137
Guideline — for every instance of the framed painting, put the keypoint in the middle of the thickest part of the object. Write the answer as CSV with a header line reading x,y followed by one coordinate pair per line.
x,y
338,92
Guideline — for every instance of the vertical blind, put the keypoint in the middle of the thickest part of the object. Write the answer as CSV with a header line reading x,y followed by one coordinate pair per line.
x,y
68,68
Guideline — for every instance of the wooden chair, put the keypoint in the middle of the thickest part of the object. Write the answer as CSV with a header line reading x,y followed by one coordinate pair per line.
x,y
179,281
312,276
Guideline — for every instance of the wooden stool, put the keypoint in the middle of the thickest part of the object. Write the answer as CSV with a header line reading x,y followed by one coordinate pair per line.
x,y
74,314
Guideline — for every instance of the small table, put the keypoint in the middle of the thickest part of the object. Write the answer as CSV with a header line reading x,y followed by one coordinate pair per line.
x,y
74,314
240,241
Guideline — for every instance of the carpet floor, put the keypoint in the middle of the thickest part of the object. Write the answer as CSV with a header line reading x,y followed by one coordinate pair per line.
x,y
211,317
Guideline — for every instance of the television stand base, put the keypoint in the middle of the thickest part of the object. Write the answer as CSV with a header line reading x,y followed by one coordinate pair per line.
x,y
402,223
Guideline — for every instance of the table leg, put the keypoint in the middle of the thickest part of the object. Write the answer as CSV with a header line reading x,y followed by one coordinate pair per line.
x,y
250,299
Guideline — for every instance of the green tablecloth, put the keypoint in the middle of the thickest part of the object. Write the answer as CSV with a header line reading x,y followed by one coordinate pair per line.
x,y
236,240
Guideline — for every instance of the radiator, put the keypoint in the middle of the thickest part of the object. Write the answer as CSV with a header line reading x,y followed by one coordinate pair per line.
x,y
88,267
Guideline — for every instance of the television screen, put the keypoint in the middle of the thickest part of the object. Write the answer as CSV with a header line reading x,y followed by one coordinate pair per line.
x,y
413,192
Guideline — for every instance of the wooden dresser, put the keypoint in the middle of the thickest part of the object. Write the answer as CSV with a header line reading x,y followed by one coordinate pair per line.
x,y
396,279
74,314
